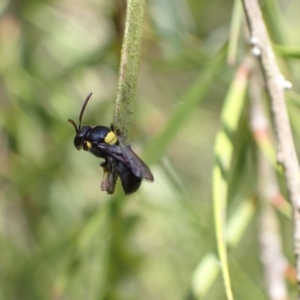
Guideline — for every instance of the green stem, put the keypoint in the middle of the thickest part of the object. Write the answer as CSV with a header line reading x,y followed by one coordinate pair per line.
x,y
129,66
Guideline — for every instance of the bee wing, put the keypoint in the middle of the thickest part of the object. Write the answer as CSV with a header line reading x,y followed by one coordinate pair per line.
x,y
113,151
124,154
138,167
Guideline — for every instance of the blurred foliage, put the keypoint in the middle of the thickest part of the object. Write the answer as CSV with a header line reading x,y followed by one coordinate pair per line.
x,y
61,237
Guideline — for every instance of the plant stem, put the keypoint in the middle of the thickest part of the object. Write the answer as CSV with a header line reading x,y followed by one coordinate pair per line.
x,y
275,85
129,66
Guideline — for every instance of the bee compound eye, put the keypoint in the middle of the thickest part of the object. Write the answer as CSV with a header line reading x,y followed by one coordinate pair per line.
x,y
77,142
110,138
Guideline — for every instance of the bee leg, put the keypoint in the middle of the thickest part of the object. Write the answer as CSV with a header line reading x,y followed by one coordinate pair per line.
x,y
104,164
109,177
105,186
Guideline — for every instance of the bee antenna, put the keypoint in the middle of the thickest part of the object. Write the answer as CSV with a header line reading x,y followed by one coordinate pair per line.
x,y
83,108
74,124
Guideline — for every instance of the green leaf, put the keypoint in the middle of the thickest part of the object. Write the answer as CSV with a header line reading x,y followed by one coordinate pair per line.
x,y
231,114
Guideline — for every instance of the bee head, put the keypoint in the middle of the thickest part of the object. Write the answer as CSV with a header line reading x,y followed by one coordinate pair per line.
x,y
81,131
86,135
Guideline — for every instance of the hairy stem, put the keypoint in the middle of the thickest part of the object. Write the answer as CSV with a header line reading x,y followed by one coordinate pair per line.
x,y
129,66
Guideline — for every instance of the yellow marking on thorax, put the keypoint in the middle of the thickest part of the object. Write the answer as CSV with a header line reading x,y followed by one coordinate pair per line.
x,y
111,138
88,144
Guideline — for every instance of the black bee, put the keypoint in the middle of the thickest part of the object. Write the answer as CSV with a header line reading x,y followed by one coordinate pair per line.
x,y
119,159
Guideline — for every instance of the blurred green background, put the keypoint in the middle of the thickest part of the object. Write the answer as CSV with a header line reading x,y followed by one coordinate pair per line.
x,y
60,236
